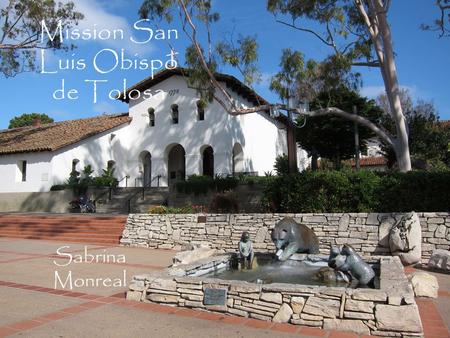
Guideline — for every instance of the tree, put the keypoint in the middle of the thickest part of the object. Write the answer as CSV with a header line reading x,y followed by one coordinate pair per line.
x,y
358,34
21,28
441,23
428,138
333,137
28,120
362,21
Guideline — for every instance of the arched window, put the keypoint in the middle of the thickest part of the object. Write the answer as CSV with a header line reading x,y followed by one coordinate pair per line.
x,y
111,165
151,117
238,159
75,165
174,114
201,110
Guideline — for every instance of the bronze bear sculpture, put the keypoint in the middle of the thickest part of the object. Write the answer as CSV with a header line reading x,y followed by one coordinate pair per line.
x,y
291,237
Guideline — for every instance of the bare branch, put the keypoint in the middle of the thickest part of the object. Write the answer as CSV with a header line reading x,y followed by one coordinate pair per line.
x,y
374,64
307,31
203,62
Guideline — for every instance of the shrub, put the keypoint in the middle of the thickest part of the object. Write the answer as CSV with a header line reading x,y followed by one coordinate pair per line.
x,y
197,184
222,184
281,165
188,209
364,191
415,190
224,203
58,187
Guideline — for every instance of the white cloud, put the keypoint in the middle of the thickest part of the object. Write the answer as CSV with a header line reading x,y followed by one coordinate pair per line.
x,y
96,16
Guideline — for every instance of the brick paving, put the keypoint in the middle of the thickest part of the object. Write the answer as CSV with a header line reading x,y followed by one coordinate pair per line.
x,y
433,322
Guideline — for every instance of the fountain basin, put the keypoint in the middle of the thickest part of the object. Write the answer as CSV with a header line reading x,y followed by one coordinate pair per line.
x,y
389,310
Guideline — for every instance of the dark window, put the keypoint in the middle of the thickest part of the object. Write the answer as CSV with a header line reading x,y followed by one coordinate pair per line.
x,y
174,114
24,171
151,116
75,164
200,110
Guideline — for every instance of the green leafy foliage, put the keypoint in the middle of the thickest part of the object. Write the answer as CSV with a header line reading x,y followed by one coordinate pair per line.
x,y
188,209
281,165
332,137
428,138
363,191
21,28
198,184
243,55
107,179
28,120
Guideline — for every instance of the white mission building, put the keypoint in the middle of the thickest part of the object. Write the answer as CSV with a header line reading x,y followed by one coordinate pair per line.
x,y
161,139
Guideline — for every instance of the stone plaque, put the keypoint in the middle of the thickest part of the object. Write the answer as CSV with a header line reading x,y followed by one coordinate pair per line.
x,y
201,219
215,296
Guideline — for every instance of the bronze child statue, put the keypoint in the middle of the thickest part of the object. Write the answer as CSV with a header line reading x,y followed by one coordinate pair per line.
x,y
246,253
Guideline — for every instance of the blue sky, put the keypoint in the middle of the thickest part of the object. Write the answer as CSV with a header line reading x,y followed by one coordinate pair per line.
x,y
422,58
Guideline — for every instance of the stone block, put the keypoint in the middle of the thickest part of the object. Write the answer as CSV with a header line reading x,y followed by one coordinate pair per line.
x,y
272,297
369,295
322,307
358,315
398,318
159,298
284,314
352,325
359,306
440,231
424,284
297,304
164,284
440,259
134,295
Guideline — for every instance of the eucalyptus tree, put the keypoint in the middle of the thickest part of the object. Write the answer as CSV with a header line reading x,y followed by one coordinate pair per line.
x,y
356,31
441,24
21,25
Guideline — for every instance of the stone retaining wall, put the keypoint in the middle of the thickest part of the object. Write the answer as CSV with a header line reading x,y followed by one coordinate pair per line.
x,y
388,311
367,233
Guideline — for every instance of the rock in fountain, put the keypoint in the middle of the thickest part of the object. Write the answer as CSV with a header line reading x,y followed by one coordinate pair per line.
x,y
332,276
291,237
246,253
349,262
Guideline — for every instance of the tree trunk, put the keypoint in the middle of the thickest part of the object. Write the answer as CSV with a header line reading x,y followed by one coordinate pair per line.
x,y
389,73
314,160
292,148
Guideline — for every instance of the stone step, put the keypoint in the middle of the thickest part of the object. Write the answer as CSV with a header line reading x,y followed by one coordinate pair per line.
x,y
112,241
68,227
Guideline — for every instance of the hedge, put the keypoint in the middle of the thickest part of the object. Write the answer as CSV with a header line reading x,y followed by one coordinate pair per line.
x,y
364,191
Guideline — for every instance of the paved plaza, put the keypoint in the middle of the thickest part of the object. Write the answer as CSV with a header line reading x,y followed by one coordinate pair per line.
x,y
33,302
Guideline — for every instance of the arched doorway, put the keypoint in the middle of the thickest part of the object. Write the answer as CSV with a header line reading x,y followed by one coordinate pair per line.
x,y
146,168
176,164
208,161
238,159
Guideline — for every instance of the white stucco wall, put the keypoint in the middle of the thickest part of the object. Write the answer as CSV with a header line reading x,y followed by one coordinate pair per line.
x,y
38,172
261,138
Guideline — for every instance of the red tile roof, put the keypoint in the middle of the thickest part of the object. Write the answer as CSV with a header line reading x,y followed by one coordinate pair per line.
x,y
371,161
53,136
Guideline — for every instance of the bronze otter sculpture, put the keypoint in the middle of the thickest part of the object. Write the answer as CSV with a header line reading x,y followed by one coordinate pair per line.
x,y
290,237
348,261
